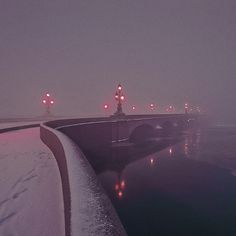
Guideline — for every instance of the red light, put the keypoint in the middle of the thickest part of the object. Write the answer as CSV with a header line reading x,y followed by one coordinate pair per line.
x,y
44,101
105,106
122,97
152,106
119,87
122,184
48,95
116,187
151,160
52,102
120,194
133,107
170,108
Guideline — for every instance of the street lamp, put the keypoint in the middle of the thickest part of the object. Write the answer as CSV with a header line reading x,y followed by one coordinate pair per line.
x,y
152,106
119,98
170,109
48,101
186,108
198,110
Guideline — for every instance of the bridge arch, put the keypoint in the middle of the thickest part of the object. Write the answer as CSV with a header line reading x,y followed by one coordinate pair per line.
x,y
141,133
167,126
179,124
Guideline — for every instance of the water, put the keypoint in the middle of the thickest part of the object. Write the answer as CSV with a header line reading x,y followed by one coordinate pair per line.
x,y
182,185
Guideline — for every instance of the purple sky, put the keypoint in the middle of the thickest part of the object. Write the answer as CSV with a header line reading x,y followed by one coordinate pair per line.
x,y
162,51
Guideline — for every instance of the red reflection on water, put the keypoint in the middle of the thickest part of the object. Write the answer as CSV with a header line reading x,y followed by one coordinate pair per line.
x,y
116,187
119,187
122,184
120,194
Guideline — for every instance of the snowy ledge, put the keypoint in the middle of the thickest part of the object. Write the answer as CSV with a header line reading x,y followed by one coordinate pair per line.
x,y
88,210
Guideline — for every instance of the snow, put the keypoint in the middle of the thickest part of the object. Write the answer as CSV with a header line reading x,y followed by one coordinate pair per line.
x,y
31,202
91,210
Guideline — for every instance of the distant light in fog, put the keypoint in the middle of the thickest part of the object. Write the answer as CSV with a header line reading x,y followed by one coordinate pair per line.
x,y
152,106
151,161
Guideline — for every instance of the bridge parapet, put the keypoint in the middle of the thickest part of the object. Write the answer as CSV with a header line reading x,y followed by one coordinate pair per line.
x,y
95,132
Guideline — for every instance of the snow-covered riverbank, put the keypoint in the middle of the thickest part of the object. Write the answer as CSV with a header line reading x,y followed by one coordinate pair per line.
x,y
31,202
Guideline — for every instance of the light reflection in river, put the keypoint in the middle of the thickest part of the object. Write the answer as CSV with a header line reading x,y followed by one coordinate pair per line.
x,y
179,191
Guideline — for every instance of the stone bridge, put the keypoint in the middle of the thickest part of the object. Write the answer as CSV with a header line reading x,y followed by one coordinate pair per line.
x,y
96,132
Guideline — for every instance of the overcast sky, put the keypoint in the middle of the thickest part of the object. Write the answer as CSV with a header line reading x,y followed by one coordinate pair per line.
x,y
161,51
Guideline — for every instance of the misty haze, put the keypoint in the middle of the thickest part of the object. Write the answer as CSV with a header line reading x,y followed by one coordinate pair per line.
x,y
118,117
163,52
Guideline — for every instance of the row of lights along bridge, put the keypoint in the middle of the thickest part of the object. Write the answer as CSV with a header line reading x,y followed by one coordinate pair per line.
x,y
119,97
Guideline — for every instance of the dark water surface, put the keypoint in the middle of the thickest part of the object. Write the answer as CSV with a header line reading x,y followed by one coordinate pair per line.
x,y
180,185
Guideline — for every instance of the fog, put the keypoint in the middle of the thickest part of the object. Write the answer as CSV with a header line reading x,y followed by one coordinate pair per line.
x,y
161,51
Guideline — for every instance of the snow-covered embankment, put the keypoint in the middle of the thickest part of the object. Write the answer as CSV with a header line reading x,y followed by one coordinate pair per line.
x,y
31,201
88,211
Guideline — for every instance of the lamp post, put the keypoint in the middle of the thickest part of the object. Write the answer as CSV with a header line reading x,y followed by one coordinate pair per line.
x,y
48,101
170,109
119,98
152,107
186,108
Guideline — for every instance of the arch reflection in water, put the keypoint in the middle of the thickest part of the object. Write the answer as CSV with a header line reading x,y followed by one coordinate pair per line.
x,y
192,143
179,191
119,155
186,147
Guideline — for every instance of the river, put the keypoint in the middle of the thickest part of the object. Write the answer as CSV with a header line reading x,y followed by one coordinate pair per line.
x,y
174,185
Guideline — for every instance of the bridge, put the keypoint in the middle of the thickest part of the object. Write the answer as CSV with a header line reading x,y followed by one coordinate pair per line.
x,y
93,132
